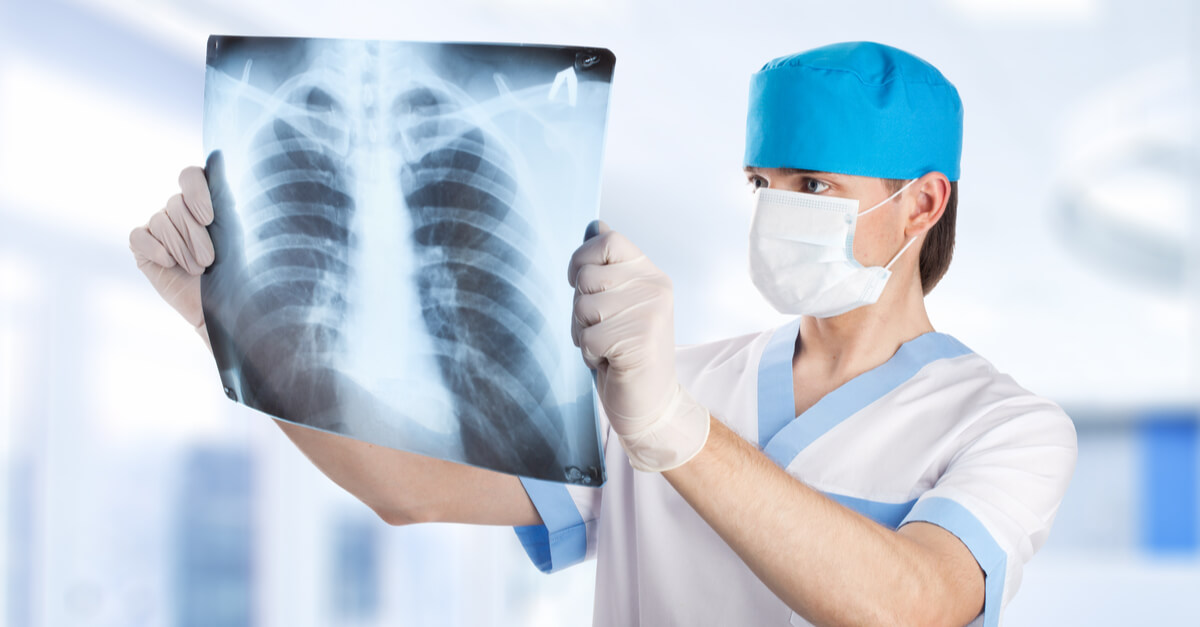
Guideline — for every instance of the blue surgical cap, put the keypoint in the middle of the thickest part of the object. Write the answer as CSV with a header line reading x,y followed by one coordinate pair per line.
x,y
858,108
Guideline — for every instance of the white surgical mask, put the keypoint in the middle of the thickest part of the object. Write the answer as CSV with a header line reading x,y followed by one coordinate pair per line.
x,y
802,253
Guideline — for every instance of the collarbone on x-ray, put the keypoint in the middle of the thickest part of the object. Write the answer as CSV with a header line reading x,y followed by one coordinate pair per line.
x,y
392,220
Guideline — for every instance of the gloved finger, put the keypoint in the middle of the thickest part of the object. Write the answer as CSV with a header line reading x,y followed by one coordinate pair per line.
x,y
580,322
588,340
195,193
205,252
178,215
576,325
607,247
592,278
585,312
163,230
592,309
193,231
194,235
147,249
611,339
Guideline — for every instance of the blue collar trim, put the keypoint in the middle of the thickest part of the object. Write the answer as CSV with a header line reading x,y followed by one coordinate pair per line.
x,y
782,436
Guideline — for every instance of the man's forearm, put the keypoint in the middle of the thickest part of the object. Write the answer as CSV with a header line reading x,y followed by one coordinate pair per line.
x,y
830,564
365,470
405,488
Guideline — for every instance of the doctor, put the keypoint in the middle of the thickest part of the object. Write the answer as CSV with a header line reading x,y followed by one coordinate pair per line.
x,y
850,467
853,466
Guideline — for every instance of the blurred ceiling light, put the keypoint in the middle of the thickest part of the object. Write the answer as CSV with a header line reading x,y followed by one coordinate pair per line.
x,y
1123,185
1026,10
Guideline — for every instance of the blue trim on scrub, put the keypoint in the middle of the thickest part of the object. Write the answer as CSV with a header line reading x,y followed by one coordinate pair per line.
x,y
848,399
776,409
562,538
958,520
887,514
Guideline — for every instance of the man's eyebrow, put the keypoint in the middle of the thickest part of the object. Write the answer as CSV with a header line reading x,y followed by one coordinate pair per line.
x,y
828,175
795,171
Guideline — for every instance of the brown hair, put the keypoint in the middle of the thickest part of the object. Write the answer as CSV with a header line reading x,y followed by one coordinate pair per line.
x,y
938,247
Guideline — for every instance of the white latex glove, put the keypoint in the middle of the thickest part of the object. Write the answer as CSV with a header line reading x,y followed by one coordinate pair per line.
x,y
624,325
173,248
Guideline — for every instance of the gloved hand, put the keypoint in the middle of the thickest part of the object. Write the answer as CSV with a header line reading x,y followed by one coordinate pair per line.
x,y
173,248
624,325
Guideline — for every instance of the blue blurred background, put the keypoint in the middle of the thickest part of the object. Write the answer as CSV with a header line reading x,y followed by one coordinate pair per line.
x,y
133,493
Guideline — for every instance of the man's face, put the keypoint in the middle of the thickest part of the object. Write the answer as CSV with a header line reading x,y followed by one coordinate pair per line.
x,y
878,235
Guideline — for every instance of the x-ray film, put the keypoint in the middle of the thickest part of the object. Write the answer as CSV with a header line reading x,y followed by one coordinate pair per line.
x,y
393,222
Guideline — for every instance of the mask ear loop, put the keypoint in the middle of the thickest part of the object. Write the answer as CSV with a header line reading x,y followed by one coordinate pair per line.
x,y
888,267
885,200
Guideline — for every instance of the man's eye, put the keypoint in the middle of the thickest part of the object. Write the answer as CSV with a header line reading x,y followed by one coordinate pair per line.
x,y
813,186
756,183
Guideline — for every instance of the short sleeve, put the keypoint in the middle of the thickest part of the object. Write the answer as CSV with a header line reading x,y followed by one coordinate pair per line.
x,y
567,535
1000,493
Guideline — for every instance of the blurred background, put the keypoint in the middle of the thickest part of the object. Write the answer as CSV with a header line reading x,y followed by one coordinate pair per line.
x,y
133,493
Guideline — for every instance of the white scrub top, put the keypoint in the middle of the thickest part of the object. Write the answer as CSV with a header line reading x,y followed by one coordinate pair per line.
x,y
934,434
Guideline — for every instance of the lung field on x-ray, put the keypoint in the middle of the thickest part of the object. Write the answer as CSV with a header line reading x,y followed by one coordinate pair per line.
x,y
487,334
298,221
381,271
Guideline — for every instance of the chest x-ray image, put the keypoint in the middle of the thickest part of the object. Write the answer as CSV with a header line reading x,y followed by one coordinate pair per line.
x,y
393,222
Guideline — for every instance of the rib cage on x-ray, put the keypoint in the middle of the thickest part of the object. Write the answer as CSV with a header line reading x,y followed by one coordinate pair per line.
x,y
336,138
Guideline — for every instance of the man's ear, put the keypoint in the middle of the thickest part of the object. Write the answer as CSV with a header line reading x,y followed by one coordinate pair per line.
x,y
930,193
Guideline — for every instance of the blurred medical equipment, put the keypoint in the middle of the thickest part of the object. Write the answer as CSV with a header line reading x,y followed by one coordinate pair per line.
x,y
1124,187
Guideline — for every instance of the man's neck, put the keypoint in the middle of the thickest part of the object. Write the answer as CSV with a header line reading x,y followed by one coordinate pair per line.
x,y
842,347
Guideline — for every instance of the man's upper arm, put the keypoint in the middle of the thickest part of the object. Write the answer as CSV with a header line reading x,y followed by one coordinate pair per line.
x,y
957,570
404,487
480,496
